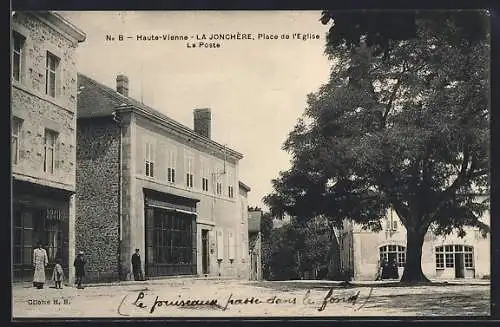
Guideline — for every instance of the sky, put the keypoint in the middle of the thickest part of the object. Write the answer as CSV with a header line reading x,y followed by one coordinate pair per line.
x,y
256,89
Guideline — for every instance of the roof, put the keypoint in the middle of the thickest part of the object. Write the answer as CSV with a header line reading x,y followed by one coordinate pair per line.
x,y
244,186
63,24
98,100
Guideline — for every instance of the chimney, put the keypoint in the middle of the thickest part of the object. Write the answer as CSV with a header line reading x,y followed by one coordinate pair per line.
x,y
202,122
122,85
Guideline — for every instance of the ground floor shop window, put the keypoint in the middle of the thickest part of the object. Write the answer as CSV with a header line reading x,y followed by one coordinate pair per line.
x,y
449,256
34,224
170,239
393,253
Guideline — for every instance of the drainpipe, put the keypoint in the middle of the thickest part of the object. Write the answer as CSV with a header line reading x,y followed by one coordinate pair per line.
x,y
117,120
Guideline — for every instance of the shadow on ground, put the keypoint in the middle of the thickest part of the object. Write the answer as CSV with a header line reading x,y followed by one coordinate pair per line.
x,y
473,303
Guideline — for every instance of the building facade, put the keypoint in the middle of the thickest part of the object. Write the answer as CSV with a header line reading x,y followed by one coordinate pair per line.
x,y
145,181
255,244
43,138
443,257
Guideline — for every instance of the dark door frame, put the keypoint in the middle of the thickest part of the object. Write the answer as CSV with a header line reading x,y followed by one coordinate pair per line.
x,y
205,251
459,265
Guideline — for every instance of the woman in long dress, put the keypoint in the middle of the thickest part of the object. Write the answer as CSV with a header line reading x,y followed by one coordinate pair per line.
x,y
40,261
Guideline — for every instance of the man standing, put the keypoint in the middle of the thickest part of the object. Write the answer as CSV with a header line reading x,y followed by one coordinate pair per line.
x,y
79,269
40,261
136,265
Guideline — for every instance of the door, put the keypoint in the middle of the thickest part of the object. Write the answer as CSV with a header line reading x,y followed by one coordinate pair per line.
x,y
459,265
23,244
205,259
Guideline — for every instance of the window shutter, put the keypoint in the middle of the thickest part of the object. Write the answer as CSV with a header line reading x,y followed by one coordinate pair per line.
x,y
243,246
57,153
220,244
172,158
232,245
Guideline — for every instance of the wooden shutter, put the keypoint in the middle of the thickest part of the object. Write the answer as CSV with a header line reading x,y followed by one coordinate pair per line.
x,y
220,244
231,244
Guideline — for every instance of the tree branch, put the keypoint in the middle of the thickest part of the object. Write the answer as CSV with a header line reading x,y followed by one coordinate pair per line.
x,y
392,98
462,174
402,211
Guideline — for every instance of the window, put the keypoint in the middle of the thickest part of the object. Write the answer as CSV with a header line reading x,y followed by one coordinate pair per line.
x,y
149,159
439,258
449,260
49,151
393,252
394,225
17,55
50,74
445,256
220,245
16,135
230,188
171,166
32,224
219,188
189,170
231,245
53,233
243,247
391,223
205,172
243,211
172,238
468,257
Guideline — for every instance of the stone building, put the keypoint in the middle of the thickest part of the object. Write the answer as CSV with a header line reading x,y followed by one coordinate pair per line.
x,y
443,257
255,244
244,236
146,181
43,142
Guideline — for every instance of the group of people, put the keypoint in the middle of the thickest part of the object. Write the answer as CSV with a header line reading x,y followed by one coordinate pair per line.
x,y
387,270
40,261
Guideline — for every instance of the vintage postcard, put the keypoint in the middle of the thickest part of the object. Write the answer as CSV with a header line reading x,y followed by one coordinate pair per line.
x,y
250,164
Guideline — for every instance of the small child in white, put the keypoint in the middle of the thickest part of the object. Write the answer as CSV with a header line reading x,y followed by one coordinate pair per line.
x,y
58,274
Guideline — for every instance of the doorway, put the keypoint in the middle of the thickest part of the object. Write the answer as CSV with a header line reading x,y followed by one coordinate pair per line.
x,y
459,265
205,256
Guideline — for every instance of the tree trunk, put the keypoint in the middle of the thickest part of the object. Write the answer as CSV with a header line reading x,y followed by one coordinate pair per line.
x,y
413,269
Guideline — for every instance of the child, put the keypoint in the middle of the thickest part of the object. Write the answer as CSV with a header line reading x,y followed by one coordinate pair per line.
x,y
58,274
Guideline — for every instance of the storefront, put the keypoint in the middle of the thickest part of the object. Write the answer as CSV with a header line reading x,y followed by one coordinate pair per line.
x,y
40,214
171,235
455,261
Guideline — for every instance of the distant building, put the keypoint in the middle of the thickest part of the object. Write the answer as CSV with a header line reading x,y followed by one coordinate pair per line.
x,y
244,237
443,257
255,244
146,181
43,138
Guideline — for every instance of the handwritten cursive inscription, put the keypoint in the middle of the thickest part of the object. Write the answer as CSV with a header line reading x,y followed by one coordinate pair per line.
x,y
345,298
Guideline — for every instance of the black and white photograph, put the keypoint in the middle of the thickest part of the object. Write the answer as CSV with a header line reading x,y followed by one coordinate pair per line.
x,y
288,163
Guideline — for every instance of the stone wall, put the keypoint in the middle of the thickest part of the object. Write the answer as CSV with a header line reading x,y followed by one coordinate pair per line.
x,y
37,110
38,115
97,197
40,38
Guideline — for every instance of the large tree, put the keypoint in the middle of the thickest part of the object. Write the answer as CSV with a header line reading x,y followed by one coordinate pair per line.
x,y
403,123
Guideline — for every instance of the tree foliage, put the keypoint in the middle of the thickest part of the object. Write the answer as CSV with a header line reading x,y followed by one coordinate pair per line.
x,y
403,122
296,248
